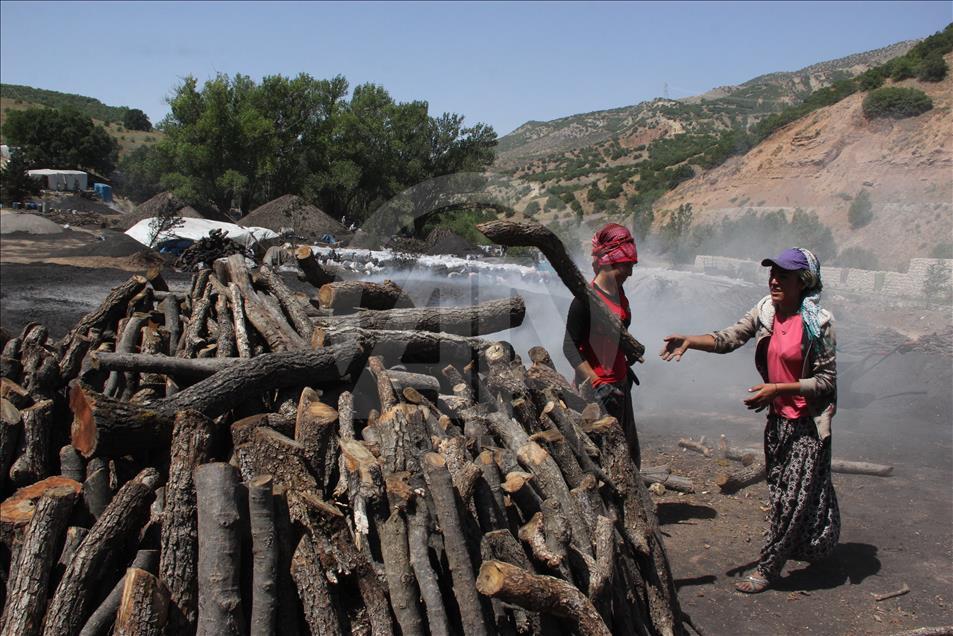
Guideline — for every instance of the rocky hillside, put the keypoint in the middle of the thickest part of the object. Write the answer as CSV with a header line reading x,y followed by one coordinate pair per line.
x,y
826,161
720,108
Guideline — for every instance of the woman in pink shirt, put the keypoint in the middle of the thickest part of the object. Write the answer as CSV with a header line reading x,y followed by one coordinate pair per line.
x,y
796,357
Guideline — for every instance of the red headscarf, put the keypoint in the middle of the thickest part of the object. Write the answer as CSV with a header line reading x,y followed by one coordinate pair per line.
x,y
613,244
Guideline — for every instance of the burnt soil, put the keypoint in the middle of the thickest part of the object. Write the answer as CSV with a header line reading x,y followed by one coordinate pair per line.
x,y
896,530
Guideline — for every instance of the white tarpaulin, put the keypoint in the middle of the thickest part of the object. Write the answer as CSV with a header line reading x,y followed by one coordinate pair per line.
x,y
196,229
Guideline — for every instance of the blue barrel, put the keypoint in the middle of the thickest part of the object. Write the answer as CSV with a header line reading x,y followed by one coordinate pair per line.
x,y
104,191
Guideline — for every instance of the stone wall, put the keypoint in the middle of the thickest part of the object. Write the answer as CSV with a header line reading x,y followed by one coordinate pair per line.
x,y
843,279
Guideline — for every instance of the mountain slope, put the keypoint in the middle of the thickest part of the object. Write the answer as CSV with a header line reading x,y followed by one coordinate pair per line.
x,y
823,161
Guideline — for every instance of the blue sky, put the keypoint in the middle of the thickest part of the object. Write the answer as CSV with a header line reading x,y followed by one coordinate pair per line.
x,y
499,63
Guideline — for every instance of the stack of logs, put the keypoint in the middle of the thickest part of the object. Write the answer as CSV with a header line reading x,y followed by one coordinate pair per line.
x,y
237,460
206,250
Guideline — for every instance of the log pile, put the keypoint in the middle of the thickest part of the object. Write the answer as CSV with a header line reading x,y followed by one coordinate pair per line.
x,y
222,462
206,250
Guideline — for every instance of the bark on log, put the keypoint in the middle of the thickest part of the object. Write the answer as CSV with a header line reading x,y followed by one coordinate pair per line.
x,y
106,427
126,342
170,308
426,385
405,346
261,516
72,465
512,233
299,319
192,337
17,510
181,369
191,437
541,594
400,576
14,393
125,516
34,464
226,328
319,608
9,438
475,320
97,491
27,592
242,342
315,430
108,312
461,568
347,296
75,535
730,483
314,273
143,609
698,447
100,620
418,533
217,489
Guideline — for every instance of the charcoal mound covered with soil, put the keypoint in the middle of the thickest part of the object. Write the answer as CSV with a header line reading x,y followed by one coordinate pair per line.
x,y
291,211
167,203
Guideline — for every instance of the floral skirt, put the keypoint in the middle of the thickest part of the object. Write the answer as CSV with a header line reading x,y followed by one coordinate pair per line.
x,y
805,519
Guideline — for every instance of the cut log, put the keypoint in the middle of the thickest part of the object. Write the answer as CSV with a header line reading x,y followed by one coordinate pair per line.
x,y
143,608
242,342
461,568
170,308
319,608
860,468
217,489
315,430
181,369
123,518
17,510
313,271
106,427
347,296
97,491
692,445
226,327
261,516
191,438
72,465
192,339
126,343
539,593
34,464
100,620
475,320
512,233
418,532
405,346
14,393
277,287
730,483
9,438
426,385
109,311
404,594
27,592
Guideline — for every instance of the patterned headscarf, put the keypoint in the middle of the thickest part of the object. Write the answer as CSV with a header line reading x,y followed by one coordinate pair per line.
x,y
613,244
810,305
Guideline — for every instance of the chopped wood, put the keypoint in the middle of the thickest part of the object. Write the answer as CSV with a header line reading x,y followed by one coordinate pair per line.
x,y
143,608
904,589
101,619
692,445
313,271
347,296
730,483
261,517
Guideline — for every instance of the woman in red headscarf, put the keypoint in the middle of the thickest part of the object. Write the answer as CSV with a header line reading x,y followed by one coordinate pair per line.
x,y
593,351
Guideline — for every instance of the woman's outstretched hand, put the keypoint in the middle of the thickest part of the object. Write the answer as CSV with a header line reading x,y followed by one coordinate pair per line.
x,y
675,347
764,394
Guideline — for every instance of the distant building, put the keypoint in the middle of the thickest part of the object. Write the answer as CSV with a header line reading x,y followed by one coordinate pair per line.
x,y
61,180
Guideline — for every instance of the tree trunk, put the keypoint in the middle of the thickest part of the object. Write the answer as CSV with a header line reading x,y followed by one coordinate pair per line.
x,y
406,346
217,489
34,464
100,620
315,428
273,283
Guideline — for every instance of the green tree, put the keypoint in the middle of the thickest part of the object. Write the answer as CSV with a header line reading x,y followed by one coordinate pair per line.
x,y
15,183
896,102
63,139
135,119
140,172
937,285
531,208
861,211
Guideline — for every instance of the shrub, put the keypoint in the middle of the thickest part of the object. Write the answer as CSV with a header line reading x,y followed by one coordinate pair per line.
x,y
531,208
858,258
937,284
902,68
932,69
896,103
942,250
861,211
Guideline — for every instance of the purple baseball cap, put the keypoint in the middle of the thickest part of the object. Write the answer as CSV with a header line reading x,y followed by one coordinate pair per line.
x,y
791,259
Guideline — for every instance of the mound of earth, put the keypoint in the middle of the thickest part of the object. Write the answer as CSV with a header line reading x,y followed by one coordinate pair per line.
x,y
109,243
166,203
442,240
78,203
291,211
12,222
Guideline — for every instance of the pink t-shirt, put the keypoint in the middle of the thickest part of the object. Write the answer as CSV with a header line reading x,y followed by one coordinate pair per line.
x,y
785,362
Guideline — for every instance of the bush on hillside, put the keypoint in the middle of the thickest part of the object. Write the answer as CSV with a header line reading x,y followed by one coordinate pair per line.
x,y
932,69
861,211
896,103
942,250
858,258
903,68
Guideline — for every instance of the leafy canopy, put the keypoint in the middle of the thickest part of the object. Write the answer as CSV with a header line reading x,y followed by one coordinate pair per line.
x,y
61,139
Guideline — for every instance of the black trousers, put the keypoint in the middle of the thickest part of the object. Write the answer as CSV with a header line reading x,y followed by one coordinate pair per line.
x,y
620,408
